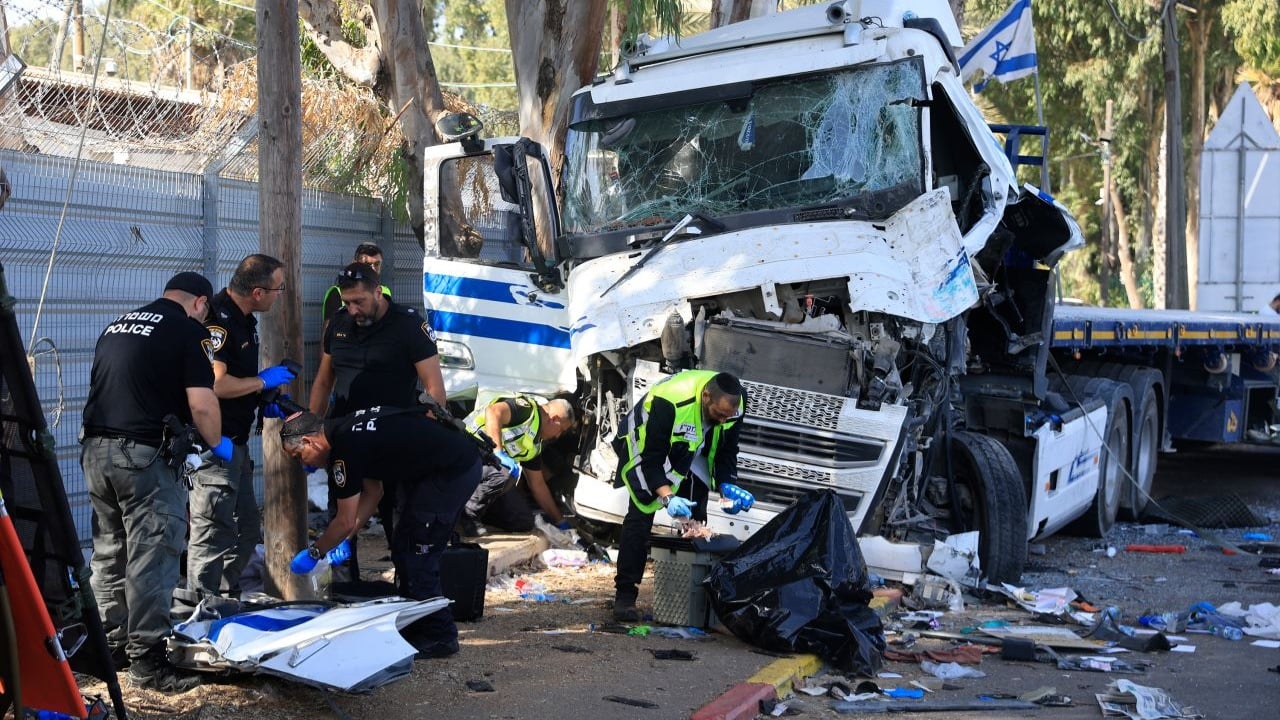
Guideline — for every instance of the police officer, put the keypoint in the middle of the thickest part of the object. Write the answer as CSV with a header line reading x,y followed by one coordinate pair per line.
x,y
518,425
436,468
374,352
225,525
366,253
149,363
686,425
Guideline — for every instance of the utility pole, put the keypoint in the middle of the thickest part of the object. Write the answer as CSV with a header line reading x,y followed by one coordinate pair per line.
x,y
1176,294
280,220
1108,241
77,36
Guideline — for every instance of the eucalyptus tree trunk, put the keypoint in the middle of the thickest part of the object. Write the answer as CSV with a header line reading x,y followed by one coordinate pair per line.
x,y
413,91
726,12
396,63
556,49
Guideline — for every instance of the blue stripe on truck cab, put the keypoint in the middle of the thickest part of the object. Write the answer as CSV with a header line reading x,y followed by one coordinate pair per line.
x,y
499,329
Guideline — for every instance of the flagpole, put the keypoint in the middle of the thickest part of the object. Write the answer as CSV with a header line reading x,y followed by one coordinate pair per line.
x,y
1044,159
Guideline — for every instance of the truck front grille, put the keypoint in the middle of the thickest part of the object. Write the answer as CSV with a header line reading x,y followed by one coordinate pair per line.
x,y
804,444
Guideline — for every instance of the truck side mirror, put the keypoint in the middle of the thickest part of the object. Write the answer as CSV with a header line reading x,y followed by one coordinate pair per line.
x,y
461,127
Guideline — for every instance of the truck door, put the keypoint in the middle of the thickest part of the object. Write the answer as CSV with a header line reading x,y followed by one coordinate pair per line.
x,y
490,278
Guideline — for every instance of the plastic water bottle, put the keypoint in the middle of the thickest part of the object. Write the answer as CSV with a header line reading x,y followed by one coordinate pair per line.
x,y
319,579
1229,632
1164,622
1220,625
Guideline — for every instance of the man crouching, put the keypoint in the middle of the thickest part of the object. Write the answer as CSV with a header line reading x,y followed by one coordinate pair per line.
x,y
436,469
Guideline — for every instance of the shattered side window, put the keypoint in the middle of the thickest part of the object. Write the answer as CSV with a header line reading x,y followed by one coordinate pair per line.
x,y
809,141
475,221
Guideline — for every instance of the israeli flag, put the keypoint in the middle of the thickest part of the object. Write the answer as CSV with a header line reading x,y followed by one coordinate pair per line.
x,y
1005,51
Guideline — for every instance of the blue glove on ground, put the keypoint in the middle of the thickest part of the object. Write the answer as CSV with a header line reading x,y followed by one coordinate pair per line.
x,y
275,376
340,553
224,449
512,467
562,525
742,500
272,410
678,507
302,563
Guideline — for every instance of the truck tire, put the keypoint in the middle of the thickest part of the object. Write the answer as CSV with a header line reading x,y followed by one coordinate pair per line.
x,y
994,502
1146,450
1146,385
1115,462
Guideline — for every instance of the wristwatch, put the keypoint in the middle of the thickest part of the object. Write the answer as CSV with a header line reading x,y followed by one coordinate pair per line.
x,y
313,552
664,499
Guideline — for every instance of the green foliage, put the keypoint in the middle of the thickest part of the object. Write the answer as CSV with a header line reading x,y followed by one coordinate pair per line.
x,y
655,17
1088,54
459,26
1255,29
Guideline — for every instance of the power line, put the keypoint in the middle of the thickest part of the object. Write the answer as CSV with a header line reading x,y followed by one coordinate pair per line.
x,y
1123,28
478,85
471,47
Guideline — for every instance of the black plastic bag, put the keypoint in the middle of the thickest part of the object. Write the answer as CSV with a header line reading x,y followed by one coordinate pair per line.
x,y
799,584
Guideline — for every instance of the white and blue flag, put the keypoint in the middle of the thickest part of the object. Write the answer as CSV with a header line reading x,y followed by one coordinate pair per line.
x,y
1005,51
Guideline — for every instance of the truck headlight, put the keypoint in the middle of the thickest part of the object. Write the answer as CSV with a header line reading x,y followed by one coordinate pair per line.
x,y
455,355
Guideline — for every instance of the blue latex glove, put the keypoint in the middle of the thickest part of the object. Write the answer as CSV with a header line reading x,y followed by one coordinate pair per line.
x,y
224,449
678,507
742,500
562,525
275,376
302,563
272,410
339,554
512,467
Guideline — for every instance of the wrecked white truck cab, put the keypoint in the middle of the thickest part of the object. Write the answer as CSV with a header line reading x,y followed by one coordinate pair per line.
x,y
812,202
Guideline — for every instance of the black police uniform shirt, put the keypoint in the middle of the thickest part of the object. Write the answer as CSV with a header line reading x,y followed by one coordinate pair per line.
x,y
374,366
235,342
403,447
142,366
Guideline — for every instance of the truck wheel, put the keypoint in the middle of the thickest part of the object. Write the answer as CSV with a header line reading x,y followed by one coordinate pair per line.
x,y
1146,439
1098,520
1146,449
993,502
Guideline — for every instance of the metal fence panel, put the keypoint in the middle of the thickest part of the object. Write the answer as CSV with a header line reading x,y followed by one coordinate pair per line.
x,y
126,231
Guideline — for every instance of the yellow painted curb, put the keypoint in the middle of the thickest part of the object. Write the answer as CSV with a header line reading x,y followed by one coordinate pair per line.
x,y
784,672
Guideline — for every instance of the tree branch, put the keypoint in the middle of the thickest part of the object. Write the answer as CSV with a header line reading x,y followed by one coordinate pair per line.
x,y
322,22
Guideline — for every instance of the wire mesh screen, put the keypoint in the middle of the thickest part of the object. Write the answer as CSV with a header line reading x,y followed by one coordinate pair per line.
x,y
182,99
127,230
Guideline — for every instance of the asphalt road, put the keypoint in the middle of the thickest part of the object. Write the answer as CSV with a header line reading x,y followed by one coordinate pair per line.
x,y
1220,679
527,660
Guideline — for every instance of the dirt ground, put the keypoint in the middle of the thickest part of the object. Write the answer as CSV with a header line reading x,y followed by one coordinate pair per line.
x,y
542,659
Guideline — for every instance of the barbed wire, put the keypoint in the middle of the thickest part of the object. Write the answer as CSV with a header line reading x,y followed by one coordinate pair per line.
x,y
177,99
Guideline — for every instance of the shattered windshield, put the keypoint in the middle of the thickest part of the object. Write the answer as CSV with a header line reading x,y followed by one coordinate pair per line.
x,y
809,141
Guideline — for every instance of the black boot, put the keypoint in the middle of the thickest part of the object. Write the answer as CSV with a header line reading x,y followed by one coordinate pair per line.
x,y
625,610
154,672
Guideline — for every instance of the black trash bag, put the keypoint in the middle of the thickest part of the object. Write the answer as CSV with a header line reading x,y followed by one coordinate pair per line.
x,y
799,584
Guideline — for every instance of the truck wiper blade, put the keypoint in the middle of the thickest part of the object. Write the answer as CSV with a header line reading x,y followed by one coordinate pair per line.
x,y
677,229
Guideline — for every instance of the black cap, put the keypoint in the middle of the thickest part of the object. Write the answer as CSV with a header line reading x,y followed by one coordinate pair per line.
x,y
190,282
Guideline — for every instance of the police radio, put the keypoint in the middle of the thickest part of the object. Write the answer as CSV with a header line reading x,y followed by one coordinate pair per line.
x,y
274,395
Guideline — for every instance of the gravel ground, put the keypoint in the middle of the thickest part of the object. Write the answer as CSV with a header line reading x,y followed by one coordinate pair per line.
x,y
543,660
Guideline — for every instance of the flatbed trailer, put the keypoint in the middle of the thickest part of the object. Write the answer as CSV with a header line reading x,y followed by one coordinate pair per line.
x,y
1219,368
1193,377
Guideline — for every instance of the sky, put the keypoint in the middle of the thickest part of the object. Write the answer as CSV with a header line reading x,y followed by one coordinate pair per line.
x,y
19,11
